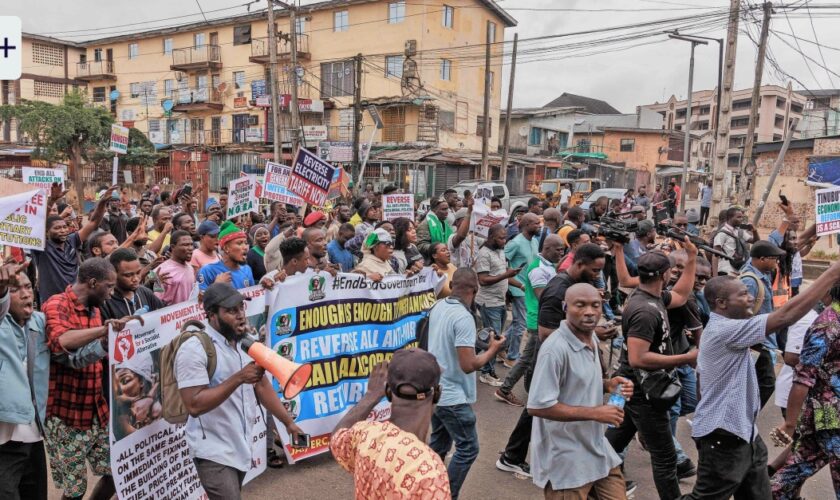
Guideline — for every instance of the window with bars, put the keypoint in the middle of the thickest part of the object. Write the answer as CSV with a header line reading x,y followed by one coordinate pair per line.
x,y
341,21
396,12
394,66
48,89
50,55
98,94
479,126
337,78
134,90
627,145
168,87
393,121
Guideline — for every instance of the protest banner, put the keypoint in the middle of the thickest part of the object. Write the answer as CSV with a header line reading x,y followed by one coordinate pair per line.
x,y
242,196
484,192
43,177
276,182
119,139
150,457
483,218
343,326
311,178
827,209
27,226
398,205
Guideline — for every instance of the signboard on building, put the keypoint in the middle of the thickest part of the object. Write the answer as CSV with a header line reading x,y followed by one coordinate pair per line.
x,y
257,89
43,177
311,178
827,209
374,114
341,151
304,105
395,206
314,133
263,101
242,196
240,102
276,184
253,134
119,139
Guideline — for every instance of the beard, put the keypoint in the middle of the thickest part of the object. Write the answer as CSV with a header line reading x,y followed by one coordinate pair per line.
x,y
229,332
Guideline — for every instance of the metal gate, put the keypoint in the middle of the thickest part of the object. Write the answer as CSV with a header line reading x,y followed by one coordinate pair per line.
x,y
447,176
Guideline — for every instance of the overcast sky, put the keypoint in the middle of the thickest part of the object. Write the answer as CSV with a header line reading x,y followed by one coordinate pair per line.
x,y
624,78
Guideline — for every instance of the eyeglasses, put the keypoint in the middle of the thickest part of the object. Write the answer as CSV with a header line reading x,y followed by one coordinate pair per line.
x,y
702,277
682,225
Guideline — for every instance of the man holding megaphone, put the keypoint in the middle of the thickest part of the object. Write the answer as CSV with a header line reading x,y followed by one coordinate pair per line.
x,y
224,406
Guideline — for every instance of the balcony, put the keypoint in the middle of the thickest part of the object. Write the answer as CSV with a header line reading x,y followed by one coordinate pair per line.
x,y
95,70
260,49
204,57
197,99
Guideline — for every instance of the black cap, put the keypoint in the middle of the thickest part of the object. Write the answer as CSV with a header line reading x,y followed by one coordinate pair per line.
x,y
653,264
415,368
764,248
222,295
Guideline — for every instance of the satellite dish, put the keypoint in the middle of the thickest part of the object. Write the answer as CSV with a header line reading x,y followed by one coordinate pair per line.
x,y
523,131
115,94
168,105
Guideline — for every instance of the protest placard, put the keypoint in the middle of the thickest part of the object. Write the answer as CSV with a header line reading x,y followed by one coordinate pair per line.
x,y
150,458
343,326
827,209
242,196
484,192
26,227
276,185
395,206
119,139
311,178
43,177
483,218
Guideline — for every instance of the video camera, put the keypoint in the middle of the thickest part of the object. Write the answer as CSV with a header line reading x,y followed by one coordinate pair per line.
x,y
678,234
618,227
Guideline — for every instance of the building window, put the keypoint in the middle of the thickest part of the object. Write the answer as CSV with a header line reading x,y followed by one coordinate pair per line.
x,y
492,28
134,90
168,87
239,80
50,55
341,21
704,110
795,108
535,137
737,141
338,78
396,12
740,122
98,94
445,69
479,126
133,50
97,55
448,16
394,66
300,25
167,46
742,104
242,34
198,40
627,145
48,89
446,119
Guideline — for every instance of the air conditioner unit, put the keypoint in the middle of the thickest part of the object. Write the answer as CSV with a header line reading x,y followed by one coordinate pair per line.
x,y
253,120
410,48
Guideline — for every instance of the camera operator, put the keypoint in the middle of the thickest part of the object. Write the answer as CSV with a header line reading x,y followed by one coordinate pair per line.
x,y
638,246
649,348
732,239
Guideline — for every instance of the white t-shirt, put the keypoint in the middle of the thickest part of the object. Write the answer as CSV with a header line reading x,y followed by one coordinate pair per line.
x,y
467,251
796,337
565,194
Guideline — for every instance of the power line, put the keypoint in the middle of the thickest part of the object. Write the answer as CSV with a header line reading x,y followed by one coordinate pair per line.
x,y
816,39
202,11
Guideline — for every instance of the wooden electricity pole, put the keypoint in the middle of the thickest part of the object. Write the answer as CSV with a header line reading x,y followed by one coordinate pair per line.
x,y
485,136
503,170
295,110
272,85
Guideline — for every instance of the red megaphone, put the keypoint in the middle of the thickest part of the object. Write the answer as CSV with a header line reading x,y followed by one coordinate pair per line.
x,y
291,376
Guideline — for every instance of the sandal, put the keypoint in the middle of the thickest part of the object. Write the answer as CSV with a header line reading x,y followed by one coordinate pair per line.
x,y
275,461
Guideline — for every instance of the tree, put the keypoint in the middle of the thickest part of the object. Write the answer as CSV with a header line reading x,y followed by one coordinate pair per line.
x,y
71,132
141,152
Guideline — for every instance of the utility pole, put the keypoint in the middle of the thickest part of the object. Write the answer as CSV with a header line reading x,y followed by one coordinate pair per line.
x,y
485,136
357,119
295,110
275,97
503,170
721,158
748,164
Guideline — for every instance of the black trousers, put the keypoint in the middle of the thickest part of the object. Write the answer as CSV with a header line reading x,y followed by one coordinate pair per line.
x,y
730,466
23,471
766,376
704,215
516,451
654,426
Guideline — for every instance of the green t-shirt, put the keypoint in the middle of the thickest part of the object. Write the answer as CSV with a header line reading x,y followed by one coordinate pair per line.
x,y
537,275
521,251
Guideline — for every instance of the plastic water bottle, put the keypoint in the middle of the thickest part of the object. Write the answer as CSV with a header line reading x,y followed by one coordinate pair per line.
x,y
616,399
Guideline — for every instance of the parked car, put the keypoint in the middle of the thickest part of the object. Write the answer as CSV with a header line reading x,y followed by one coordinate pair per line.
x,y
611,193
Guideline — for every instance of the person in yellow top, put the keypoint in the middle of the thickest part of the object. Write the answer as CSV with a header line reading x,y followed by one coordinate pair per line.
x,y
161,216
575,218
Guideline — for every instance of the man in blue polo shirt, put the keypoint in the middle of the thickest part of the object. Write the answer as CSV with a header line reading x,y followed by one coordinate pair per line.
x,y
232,268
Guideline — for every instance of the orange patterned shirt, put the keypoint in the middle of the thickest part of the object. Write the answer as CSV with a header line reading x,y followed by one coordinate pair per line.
x,y
390,463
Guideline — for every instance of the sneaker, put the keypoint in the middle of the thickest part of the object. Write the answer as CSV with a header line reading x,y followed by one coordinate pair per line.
x,y
523,469
629,488
686,469
490,380
501,358
509,363
508,398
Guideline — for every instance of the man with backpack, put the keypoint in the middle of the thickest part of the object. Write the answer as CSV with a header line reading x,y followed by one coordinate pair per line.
x,y
223,392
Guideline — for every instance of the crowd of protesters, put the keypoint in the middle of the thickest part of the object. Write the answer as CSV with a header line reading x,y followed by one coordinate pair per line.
x,y
544,294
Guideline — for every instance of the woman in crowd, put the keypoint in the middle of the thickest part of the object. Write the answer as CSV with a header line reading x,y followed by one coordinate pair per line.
x,y
259,237
405,249
378,250
440,263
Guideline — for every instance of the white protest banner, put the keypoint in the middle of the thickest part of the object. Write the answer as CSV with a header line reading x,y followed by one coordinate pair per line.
x,y
343,326
242,196
27,226
276,182
119,139
827,210
150,457
395,206
43,177
311,178
483,218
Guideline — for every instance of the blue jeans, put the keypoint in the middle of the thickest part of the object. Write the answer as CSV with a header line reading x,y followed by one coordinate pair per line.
x,y
492,317
609,315
685,405
455,423
516,328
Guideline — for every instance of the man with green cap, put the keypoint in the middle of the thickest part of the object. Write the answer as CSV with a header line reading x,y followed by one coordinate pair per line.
x,y
232,268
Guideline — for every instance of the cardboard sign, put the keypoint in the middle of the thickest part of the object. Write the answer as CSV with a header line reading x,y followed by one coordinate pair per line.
x,y
276,185
43,177
119,139
483,218
484,192
242,196
827,210
26,227
395,206
311,178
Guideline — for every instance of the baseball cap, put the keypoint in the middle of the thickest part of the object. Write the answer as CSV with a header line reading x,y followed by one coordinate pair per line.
x,y
208,227
313,218
222,295
378,236
414,368
764,248
653,264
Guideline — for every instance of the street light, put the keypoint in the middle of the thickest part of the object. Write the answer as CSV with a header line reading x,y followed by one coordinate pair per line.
x,y
687,143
